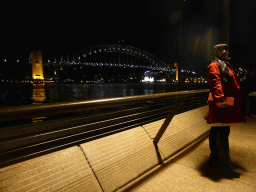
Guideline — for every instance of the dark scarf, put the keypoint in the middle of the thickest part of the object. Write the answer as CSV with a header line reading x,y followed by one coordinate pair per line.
x,y
223,65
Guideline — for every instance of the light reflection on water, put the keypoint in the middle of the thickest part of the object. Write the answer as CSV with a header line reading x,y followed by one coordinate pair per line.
x,y
26,94
38,93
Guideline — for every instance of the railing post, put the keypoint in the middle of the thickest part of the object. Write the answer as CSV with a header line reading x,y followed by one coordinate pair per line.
x,y
168,120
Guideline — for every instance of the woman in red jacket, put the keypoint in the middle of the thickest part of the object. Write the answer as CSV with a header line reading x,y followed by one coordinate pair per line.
x,y
223,83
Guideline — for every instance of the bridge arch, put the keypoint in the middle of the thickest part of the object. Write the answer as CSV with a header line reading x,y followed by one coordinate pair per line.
x,y
153,62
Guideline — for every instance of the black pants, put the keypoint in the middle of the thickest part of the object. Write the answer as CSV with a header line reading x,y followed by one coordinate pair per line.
x,y
218,140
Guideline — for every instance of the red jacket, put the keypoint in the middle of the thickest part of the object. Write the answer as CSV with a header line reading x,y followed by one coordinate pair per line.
x,y
229,114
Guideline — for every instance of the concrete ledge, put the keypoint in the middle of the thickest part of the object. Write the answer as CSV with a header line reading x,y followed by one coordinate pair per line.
x,y
65,170
120,158
106,164
183,129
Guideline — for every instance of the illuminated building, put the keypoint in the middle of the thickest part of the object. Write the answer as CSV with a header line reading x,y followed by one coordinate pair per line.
x,y
35,57
148,79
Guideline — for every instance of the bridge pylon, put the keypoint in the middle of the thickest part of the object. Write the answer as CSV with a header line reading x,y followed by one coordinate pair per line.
x,y
35,57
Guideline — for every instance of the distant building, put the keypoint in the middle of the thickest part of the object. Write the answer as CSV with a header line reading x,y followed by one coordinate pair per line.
x,y
148,79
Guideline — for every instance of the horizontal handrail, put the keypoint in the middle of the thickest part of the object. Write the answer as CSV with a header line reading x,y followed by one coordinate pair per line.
x,y
32,111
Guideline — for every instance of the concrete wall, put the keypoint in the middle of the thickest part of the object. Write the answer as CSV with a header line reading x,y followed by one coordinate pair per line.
x,y
108,163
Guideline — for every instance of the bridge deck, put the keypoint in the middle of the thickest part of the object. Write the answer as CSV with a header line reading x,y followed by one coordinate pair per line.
x,y
189,170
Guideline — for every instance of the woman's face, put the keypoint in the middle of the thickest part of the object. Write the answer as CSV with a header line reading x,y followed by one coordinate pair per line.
x,y
222,52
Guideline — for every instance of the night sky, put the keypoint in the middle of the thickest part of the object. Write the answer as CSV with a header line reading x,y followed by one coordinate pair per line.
x,y
151,25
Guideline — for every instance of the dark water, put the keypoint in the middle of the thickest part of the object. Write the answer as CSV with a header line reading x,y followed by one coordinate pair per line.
x,y
27,94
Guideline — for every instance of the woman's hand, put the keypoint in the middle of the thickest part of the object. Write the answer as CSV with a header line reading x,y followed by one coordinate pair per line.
x,y
221,104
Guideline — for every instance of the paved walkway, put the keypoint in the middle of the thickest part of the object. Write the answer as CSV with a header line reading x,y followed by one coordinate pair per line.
x,y
189,170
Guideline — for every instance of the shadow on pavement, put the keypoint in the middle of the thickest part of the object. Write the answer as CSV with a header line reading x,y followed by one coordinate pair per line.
x,y
216,174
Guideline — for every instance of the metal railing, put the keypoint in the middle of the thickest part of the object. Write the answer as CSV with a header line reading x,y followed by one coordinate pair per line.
x,y
33,111
41,129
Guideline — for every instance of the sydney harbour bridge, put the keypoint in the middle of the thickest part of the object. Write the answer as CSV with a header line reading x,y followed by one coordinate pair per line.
x,y
115,56
112,55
